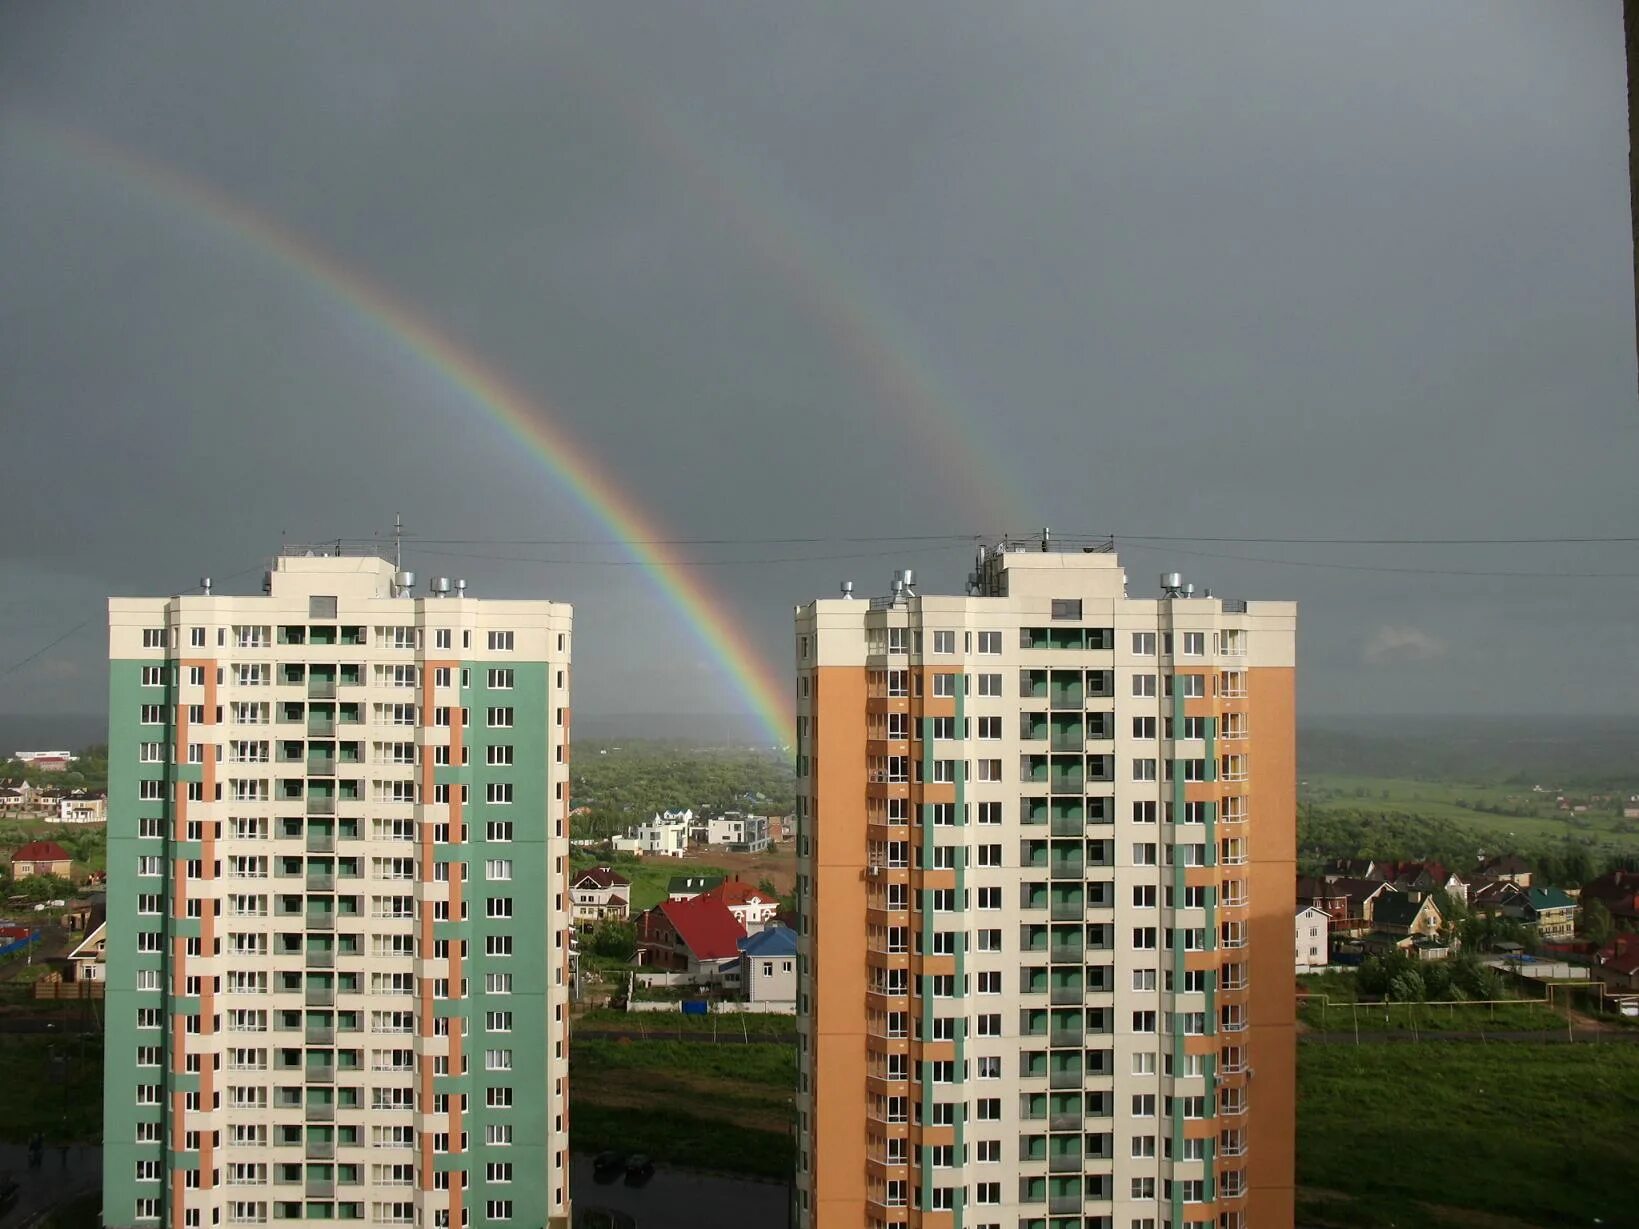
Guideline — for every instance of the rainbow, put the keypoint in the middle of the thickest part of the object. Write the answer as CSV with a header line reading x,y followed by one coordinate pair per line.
x,y
480,383
877,342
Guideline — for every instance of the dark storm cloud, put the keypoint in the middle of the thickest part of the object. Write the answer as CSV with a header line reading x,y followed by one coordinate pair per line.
x,y
1251,269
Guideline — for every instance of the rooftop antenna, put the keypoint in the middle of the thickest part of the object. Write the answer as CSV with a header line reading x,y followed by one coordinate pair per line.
x,y
847,590
1046,538
398,543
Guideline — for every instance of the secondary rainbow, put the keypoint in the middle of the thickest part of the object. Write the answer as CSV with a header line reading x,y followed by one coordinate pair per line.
x,y
479,382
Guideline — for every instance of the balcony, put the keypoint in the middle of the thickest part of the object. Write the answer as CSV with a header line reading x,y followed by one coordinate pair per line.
x,y
321,688
1066,996
321,804
1232,1102
1060,1205
321,996
321,1150
1066,1037
320,921
1066,782
1065,1078
320,1035
1066,825
1233,1019
320,841
1064,1163
321,1074
1064,1122
322,1188
321,881
321,1111
321,766
1066,953
321,958
1067,910
1066,698
321,725
1067,868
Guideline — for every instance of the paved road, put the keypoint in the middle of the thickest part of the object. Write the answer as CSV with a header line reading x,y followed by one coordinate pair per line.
x,y
675,1199
58,1180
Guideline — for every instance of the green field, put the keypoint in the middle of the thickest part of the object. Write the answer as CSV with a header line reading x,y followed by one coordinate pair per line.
x,y
1457,802
1537,1133
727,1024
59,1098
649,878
706,1106
1335,1005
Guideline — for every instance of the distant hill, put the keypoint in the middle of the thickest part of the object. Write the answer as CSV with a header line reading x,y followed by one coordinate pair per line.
x,y
51,731
1555,751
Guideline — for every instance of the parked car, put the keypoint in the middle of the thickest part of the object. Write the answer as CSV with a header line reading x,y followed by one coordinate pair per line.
x,y
606,1161
638,1165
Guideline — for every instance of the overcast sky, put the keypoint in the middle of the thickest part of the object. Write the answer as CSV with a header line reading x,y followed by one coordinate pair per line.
x,y
841,271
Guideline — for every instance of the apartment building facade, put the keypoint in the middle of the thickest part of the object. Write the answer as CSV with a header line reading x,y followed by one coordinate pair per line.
x,y
337,855
1059,824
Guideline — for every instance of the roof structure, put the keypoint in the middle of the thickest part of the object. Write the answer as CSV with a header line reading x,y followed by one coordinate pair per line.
x,y
705,925
776,941
691,885
738,892
602,877
41,851
1400,908
1548,898
1621,955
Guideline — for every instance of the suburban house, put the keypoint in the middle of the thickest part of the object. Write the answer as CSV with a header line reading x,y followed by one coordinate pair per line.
x,y
1549,910
597,893
1360,900
1618,962
41,858
733,831
1407,913
768,968
662,837
1618,891
699,937
1424,877
1511,867
687,887
89,961
750,905
81,808
1312,940
1493,896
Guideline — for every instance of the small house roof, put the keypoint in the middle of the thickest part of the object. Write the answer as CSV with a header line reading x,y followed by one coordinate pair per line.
x,y
41,851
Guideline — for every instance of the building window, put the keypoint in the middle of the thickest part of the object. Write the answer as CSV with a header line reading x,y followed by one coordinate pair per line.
x,y
500,719
990,643
500,642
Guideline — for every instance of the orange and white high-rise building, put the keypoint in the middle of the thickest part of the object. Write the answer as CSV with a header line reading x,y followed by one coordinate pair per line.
x,y
1046,843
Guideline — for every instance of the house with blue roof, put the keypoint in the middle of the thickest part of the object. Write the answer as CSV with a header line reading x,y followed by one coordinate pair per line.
x,y
768,968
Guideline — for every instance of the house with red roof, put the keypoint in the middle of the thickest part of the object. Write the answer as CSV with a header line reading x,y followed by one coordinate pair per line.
x,y
698,936
752,906
1618,891
1618,962
597,893
41,858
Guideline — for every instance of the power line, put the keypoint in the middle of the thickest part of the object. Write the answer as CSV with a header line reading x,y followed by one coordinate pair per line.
x,y
1366,567
1563,540
670,563
39,653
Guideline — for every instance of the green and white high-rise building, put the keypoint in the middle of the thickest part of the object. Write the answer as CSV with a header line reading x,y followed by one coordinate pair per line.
x,y
337,926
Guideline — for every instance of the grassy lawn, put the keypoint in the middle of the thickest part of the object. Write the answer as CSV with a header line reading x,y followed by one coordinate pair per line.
x,y
34,1099
737,1024
1457,802
1532,1132
650,876
720,1107
1332,1008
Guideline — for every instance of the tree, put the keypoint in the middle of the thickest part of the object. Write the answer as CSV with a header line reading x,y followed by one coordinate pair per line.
x,y
614,939
1597,925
